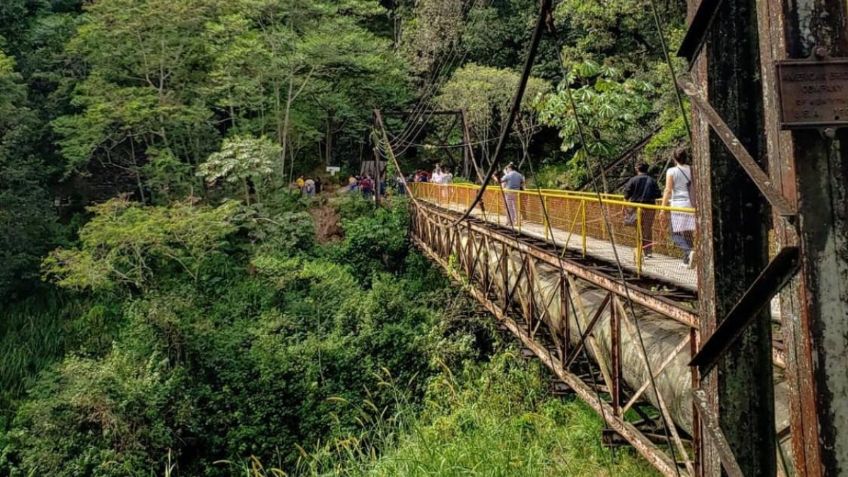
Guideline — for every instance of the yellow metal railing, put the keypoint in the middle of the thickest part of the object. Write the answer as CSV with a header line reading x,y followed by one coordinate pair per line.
x,y
568,215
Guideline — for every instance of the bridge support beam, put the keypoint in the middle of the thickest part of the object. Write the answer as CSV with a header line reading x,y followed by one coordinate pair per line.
x,y
813,172
733,237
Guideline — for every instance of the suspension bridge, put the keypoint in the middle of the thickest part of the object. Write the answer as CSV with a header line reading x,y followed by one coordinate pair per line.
x,y
736,366
551,279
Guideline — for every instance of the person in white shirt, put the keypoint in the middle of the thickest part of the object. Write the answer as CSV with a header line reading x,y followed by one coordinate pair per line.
x,y
678,191
436,176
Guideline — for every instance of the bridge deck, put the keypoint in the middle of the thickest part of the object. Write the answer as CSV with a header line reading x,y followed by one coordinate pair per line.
x,y
660,267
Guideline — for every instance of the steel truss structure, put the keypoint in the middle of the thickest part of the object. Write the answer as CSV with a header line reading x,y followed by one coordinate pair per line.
x,y
750,176
501,270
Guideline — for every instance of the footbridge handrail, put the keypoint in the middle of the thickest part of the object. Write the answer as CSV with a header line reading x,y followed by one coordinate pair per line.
x,y
648,239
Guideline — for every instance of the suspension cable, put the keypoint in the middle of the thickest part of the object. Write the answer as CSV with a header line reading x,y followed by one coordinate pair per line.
x,y
435,85
620,268
671,69
516,104
583,337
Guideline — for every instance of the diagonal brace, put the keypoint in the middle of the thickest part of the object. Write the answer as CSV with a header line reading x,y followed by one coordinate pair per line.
x,y
587,331
772,279
696,35
711,425
761,180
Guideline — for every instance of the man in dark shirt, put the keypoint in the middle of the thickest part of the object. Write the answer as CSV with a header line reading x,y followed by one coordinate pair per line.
x,y
643,189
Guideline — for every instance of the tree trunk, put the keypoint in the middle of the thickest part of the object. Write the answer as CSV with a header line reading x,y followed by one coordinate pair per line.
x,y
329,140
286,119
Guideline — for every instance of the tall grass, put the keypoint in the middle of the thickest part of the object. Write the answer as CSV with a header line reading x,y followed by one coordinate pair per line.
x,y
492,419
33,335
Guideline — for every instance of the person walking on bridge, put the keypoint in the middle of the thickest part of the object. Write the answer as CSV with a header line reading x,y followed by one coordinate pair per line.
x,y
643,189
678,193
512,180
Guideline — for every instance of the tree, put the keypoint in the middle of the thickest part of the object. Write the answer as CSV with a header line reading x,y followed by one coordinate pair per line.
x,y
243,160
27,219
128,245
613,112
434,32
486,94
139,91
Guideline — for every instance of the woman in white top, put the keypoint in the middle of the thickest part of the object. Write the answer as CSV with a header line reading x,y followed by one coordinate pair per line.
x,y
678,185
436,176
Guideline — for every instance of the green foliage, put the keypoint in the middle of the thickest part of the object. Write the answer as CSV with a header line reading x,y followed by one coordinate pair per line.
x,y
485,94
496,33
187,334
435,30
34,333
670,136
126,244
353,206
497,419
245,361
99,417
290,231
167,176
241,160
494,418
27,220
164,76
612,111
376,242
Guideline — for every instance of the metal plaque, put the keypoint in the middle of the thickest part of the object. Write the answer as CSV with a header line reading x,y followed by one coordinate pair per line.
x,y
813,93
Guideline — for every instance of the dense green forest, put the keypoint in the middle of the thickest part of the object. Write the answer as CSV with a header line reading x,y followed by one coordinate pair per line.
x,y
170,306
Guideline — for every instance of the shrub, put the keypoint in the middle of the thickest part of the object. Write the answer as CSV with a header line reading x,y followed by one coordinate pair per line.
x,y
376,242
128,244
111,417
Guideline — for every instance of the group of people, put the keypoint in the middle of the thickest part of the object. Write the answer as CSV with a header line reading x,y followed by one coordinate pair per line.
x,y
366,185
640,189
309,187
643,189
440,175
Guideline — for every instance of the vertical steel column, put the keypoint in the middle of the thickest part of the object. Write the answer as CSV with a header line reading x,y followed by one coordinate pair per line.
x,y
802,395
820,328
733,238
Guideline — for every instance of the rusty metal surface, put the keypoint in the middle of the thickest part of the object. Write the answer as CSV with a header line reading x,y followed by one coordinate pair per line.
x,y
781,167
775,276
537,293
711,426
640,296
813,93
760,179
817,330
515,271
700,20
732,229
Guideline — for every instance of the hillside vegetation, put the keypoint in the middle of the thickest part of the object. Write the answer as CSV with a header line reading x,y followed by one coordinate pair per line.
x,y
167,306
